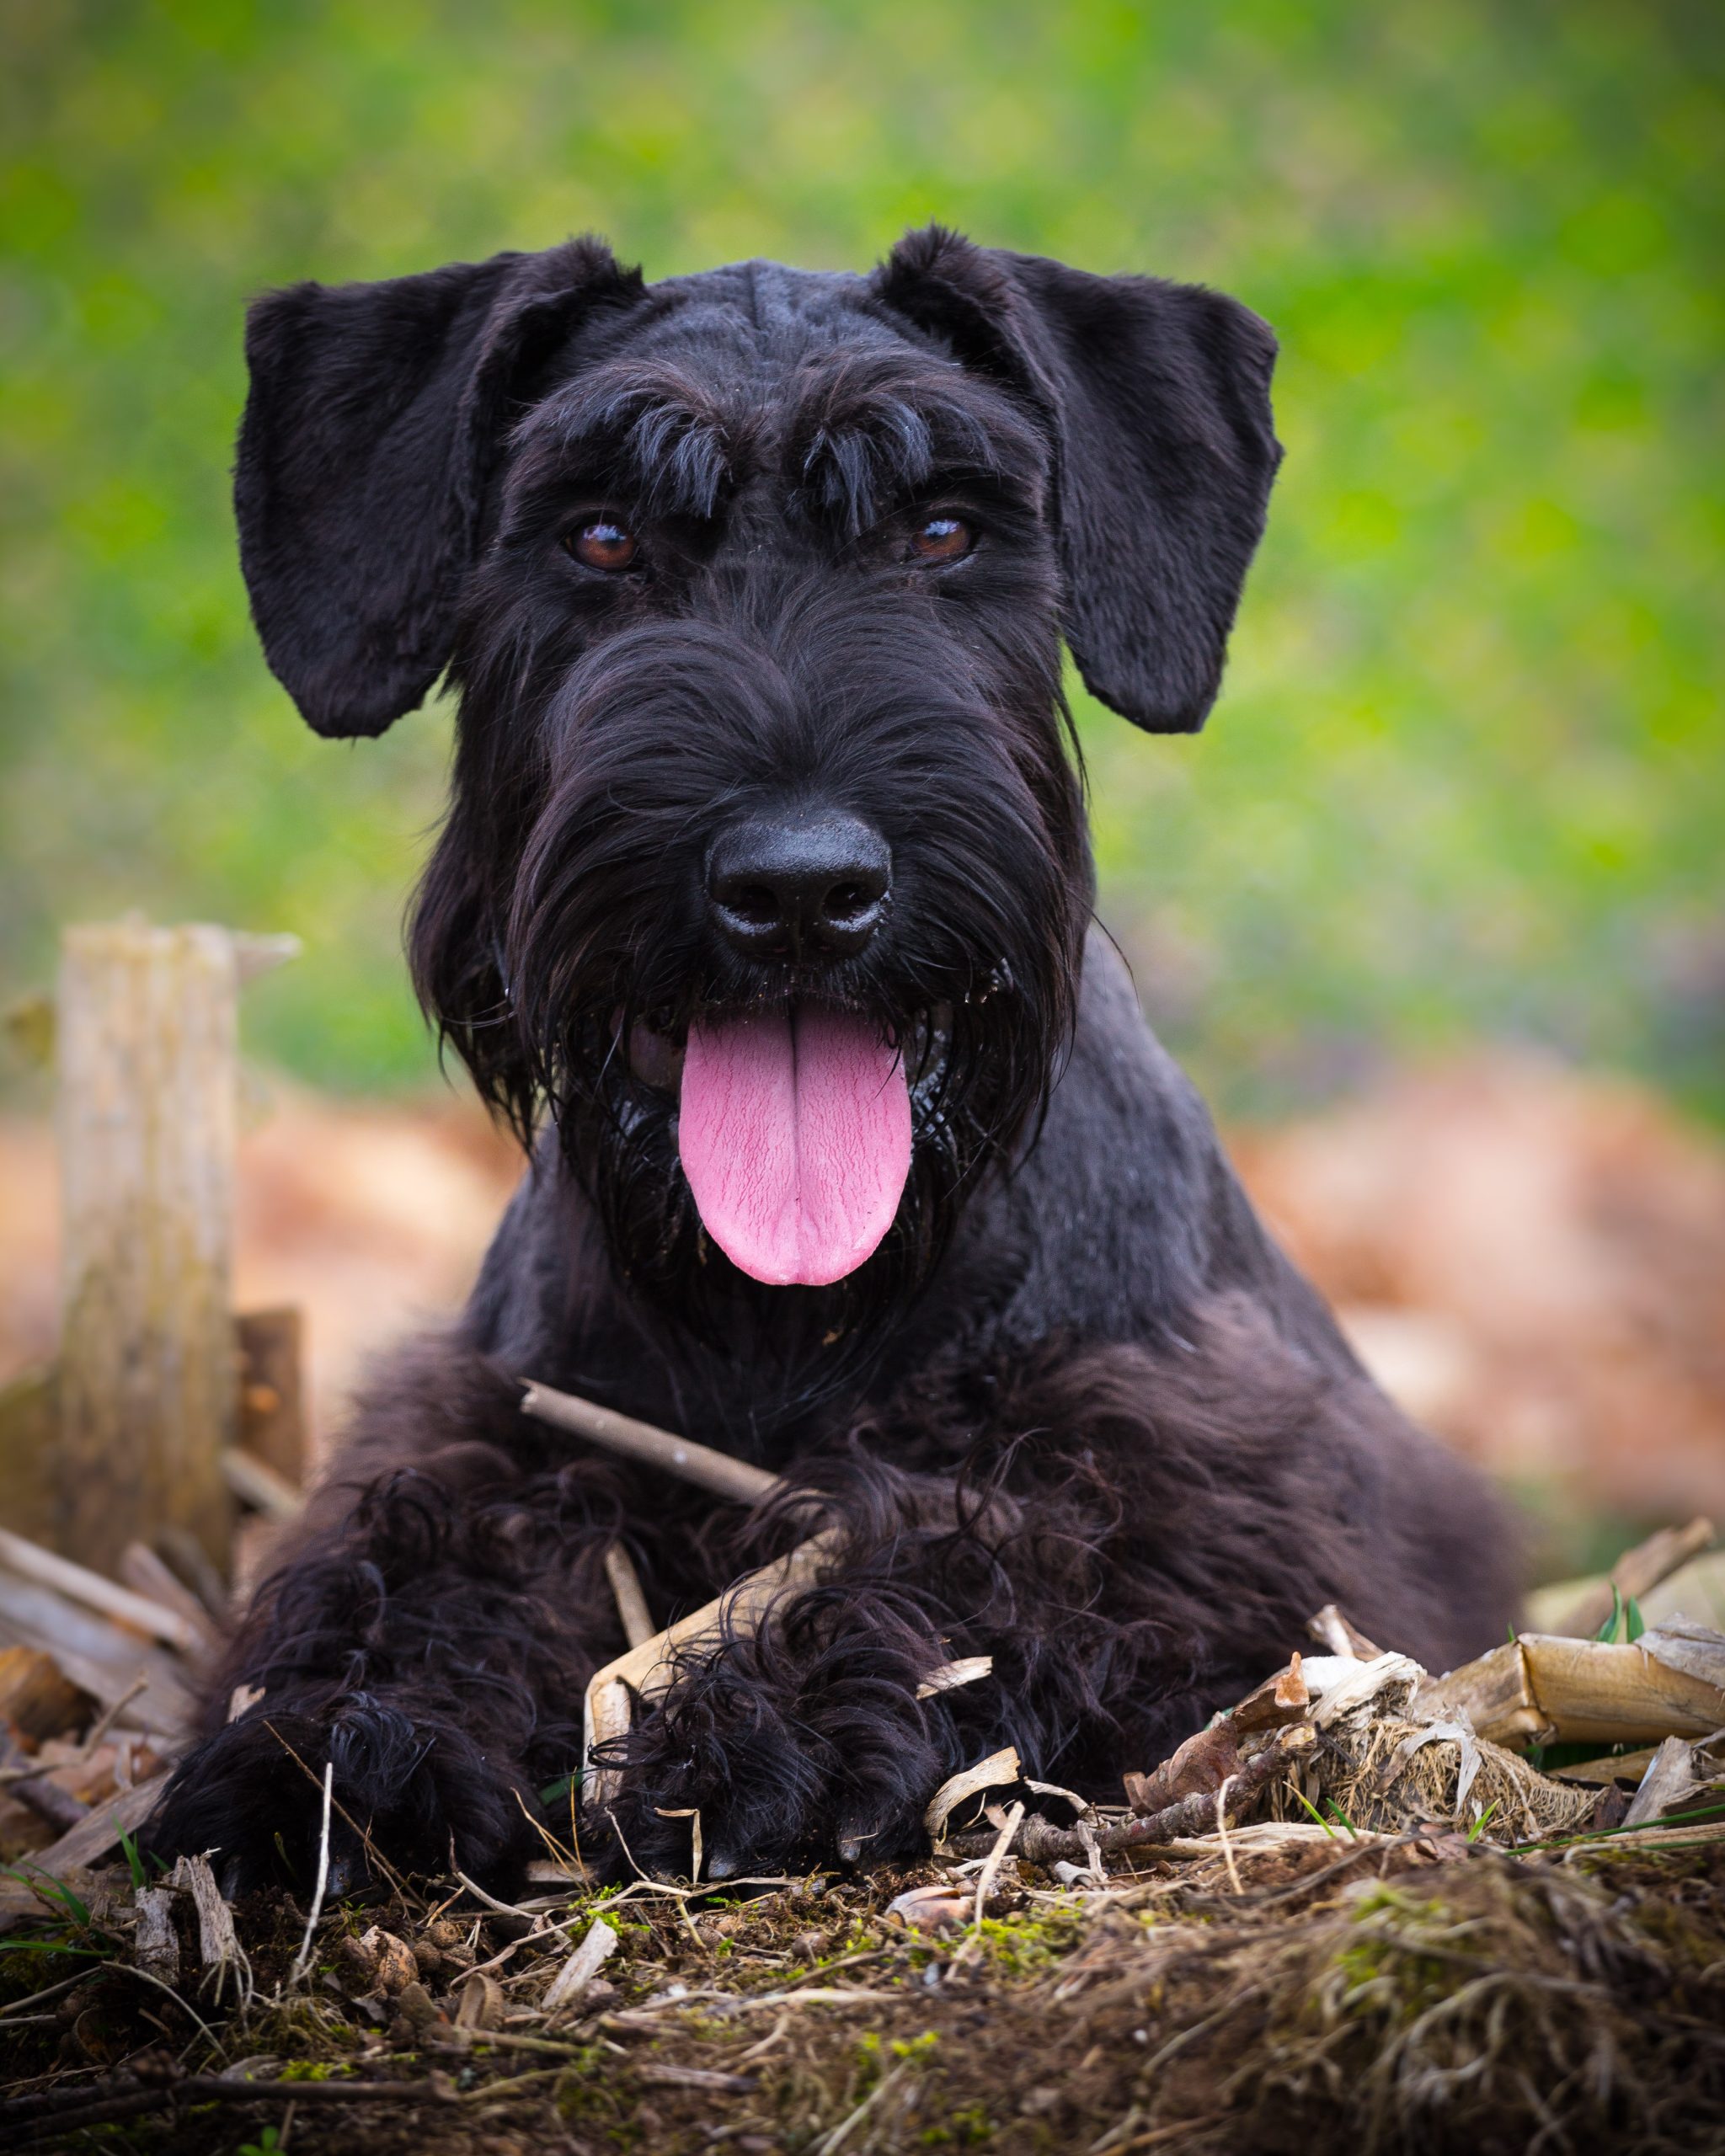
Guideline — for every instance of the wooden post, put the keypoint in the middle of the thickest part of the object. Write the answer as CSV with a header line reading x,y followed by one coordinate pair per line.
x,y
147,1048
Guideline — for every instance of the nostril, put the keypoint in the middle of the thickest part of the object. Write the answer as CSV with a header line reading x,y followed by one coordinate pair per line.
x,y
756,904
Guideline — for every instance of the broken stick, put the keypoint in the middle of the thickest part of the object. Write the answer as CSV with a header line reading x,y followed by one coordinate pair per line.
x,y
1039,1842
1637,1572
655,1448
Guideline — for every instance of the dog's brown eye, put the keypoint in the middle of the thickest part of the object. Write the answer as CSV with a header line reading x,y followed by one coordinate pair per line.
x,y
942,539
603,545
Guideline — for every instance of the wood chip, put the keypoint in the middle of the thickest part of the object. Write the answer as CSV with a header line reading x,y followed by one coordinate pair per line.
x,y
968,1669
217,1946
155,1942
244,1698
578,1971
999,1771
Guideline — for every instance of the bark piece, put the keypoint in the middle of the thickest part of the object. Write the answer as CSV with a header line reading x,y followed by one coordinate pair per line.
x,y
937,1907
155,1942
218,1948
479,2001
1278,1700
96,1836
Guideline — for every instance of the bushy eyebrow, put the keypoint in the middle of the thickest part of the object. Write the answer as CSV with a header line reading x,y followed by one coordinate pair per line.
x,y
870,432
649,433
853,437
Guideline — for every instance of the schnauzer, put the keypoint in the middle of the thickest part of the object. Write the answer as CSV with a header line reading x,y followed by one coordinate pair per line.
x,y
763,913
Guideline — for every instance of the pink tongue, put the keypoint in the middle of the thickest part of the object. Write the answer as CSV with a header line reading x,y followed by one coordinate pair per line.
x,y
795,1134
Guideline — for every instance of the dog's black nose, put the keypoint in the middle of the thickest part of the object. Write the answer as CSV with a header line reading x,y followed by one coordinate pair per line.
x,y
808,889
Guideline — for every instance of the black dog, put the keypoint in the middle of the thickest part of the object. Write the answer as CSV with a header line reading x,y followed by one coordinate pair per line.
x,y
765,895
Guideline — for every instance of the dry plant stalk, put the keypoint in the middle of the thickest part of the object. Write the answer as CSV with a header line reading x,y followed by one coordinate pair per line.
x,y
1542,1689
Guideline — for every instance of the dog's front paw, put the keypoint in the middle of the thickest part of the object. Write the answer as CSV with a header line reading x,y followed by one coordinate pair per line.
x,y
411,1793
794,1749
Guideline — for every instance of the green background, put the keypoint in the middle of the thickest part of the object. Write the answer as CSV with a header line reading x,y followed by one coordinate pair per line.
x,y
1466,774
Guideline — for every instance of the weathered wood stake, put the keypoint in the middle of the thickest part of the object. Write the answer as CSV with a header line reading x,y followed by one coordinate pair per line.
x,y
146,1049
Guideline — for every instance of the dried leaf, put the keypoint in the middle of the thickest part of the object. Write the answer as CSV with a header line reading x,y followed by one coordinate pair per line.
x,y
998,1769
937,1907
480,2001
1198,1768
1670,1778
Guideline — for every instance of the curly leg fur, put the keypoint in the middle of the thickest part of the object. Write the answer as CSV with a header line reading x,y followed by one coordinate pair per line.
x,y
1134,1536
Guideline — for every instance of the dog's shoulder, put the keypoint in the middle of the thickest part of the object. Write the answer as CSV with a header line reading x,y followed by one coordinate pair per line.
x,y
1122,1207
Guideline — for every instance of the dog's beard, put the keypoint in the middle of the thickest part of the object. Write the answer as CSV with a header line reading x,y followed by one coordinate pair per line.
x,y
974,1077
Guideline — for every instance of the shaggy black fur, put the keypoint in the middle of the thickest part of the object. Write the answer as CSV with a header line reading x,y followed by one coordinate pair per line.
x,y
1077,1411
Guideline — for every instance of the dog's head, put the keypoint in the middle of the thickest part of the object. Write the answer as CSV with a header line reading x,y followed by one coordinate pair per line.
x,y
766,867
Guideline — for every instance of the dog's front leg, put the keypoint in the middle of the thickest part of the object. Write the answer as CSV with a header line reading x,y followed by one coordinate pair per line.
x,y
430,1649
824,1732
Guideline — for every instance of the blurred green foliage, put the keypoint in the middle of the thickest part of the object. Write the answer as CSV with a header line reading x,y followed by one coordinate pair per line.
x,y
1467,771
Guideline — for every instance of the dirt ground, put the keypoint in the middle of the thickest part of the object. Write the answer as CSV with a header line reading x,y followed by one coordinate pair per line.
x,y
1372,1994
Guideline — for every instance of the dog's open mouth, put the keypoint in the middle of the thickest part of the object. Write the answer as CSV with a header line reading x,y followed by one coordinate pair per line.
x,y
794,1132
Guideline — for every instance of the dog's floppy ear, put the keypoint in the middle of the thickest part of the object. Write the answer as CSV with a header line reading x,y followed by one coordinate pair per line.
x,y
375,415
1156,400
